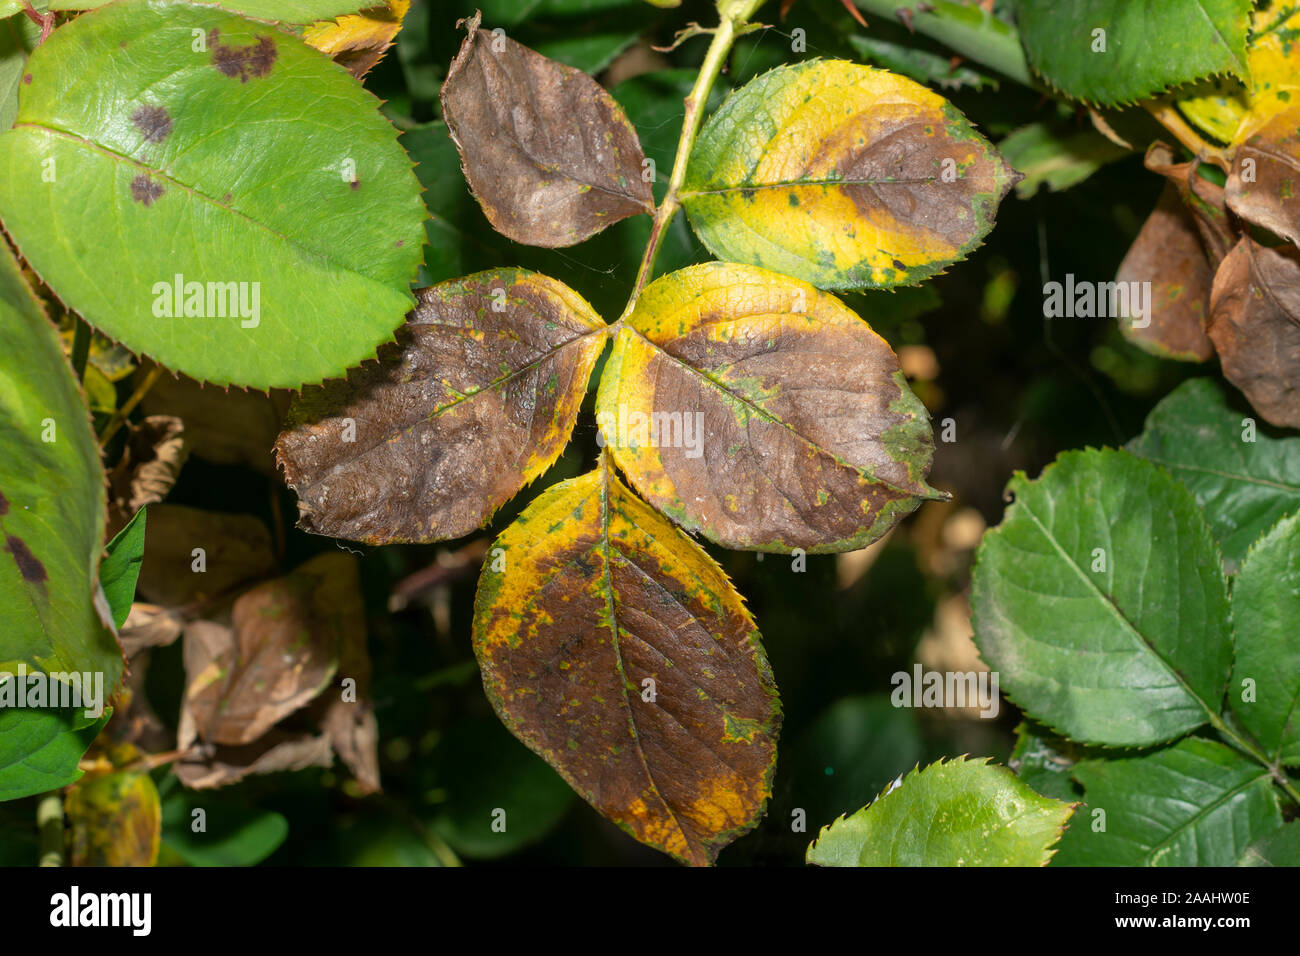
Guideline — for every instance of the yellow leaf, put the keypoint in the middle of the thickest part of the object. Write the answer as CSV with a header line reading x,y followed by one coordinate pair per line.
x,y
359,40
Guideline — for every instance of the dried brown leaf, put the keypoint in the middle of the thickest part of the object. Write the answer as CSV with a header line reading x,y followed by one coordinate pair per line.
x,y
1264,182
1255,325
150,464
1203,198
477,399
236,549
547,151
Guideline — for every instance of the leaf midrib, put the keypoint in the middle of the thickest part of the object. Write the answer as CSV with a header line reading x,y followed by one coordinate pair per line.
x,y
168,178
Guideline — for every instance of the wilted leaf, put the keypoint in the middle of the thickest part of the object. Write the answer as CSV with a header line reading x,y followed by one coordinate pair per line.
x,y
1117,548
279,654
349,713
615,648
959,813
51,501
547,151
156,449
1264,691
843,175
1264,182
244,169
1203,198
1279,848
192,555
223,426
40,748
1168,254
1196,803
278,751
148,625
115,820
762,413
477,399
358,41
121,568
1244,478
1143,48
1255,326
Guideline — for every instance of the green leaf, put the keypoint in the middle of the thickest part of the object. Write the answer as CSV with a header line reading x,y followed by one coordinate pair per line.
x,y
285,11
1044,761
1244,475
252,160
921,65
40,748
18,37
1146,48
52,501
1101,601
1279,848
1197,803
843,175
121,568
1054,157
232,835
1265,613
959,813
485,770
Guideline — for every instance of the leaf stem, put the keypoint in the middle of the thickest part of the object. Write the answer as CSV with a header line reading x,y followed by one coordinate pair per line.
x,y
1168,117
49,824
120,416
733,14
1252,751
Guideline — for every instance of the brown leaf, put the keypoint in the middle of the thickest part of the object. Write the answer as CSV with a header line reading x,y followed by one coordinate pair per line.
x,y
1255,325
547,151
1204,199
349,717
149,625
279,654
277,751
477,399
1168,254
224,427
615,648
235,549
1264,183
148,468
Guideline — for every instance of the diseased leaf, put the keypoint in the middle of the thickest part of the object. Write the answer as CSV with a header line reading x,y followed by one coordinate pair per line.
x,y
1245,478
192,555
40,748
1117,548
121,568
115,819
358,41
477,399
1265,612
1196,803
1168,254
959,813
280,653
1264,181
1144,47
547,151
1255,326
762,413
1279,848
615,648
211,228
278,751
843,175
156,450
52,614
285,11
1203,198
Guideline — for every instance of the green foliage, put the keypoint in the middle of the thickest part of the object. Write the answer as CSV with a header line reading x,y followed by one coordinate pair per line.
x,y
959,813
121,567
40,748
